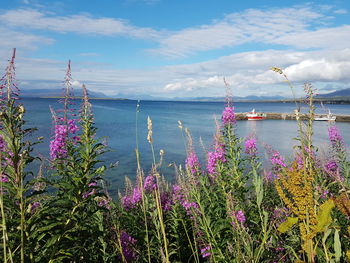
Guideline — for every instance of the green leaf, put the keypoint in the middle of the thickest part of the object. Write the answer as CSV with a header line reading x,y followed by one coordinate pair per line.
x,y
324,215
337,246
285,226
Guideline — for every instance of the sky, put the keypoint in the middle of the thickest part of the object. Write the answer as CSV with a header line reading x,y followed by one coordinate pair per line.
x,y
178,48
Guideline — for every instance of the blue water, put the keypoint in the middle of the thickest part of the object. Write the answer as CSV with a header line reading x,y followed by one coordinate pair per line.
x,y
116,121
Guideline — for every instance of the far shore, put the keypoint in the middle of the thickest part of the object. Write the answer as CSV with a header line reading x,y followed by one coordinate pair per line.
x,y
336,100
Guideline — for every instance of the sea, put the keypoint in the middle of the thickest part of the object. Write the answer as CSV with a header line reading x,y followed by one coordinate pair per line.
x,y
120,124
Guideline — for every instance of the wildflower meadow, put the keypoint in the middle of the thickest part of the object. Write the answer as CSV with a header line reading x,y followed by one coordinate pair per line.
x,y
231,208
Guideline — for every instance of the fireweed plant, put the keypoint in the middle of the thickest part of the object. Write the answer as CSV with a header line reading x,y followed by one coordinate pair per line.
x,y
17,197
78,208
228,208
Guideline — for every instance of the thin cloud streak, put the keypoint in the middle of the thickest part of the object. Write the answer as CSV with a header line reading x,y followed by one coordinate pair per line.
x,y
80,24
252,26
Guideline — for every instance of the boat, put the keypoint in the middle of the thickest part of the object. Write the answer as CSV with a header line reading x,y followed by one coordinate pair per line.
x,y
325,117
254,116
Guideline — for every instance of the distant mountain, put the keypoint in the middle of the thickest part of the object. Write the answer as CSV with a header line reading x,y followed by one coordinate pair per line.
x,y
235,98
277,97
138,97
338,93
32,93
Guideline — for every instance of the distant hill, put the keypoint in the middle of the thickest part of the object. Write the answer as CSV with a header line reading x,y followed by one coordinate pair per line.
x,y
338,93
235,98
37,93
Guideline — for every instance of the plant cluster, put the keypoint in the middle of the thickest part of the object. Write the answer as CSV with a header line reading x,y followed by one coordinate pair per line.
x,y
228,209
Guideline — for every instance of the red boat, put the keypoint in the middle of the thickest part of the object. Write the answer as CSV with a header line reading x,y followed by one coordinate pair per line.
x,y
254,116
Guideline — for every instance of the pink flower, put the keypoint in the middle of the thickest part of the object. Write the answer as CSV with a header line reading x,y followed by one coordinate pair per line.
x,y
128,244
214,157
72,127
334,135
192,163
150,183
228,116
4,178
130,201
206,252
277,160
58,143
2,144
240,216
250,147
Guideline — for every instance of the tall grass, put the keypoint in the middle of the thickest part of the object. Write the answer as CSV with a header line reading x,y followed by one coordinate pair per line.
x,y
228,209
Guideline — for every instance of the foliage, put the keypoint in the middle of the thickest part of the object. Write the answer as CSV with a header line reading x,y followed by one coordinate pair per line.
x,y
229,209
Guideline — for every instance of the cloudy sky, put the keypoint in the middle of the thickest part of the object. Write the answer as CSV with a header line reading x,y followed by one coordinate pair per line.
x,y
180,48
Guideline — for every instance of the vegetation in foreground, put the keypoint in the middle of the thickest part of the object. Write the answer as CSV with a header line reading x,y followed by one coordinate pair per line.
x,y
230,209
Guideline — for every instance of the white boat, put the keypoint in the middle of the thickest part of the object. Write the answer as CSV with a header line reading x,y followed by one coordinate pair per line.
x,y
325,117
255,116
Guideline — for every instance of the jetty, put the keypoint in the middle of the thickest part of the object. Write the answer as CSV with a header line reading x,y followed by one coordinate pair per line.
x,y
291,116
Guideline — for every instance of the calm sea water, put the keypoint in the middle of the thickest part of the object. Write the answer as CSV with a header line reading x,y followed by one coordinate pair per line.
x,y
116,121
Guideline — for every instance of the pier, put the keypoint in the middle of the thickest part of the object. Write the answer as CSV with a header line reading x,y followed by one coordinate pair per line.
x,y
291,116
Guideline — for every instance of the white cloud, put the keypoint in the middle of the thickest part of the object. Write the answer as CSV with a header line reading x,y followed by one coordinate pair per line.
x,y
320,70
336,37
250,26
22,41
340,11
81,24
76,84
191,84
250,72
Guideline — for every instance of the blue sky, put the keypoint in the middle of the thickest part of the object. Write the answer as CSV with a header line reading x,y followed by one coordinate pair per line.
x,y
178,48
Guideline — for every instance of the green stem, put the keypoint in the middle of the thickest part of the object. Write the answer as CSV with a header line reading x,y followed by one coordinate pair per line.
x,y
160,217
145,219
3,222
22,220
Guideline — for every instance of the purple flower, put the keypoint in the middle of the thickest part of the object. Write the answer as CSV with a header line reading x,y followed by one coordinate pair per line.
x,y
240,216
166,201
150,183
178,196
72,127
103,202
92,184
2,144
277,160
331,166
130,201
192,162
90,192
128,244
4,178
269,176
127,202
334,135
205,252
34,207
76,139
228,116
214,157
58,144
324,194
333,170
137,195
250,147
